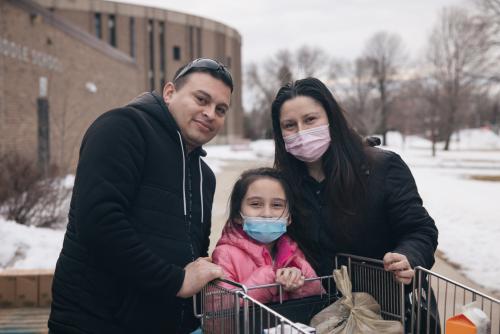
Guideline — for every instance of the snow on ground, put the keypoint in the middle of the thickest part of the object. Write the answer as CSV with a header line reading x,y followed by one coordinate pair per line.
x,y
466,211
25,247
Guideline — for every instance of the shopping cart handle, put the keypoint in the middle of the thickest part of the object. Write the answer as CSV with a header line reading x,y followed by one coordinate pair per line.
x,y
199,314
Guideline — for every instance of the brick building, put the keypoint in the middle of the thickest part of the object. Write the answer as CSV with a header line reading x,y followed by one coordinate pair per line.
x,y
64,62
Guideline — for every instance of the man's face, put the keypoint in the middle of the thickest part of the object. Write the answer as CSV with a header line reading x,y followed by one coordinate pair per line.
x,y
199,107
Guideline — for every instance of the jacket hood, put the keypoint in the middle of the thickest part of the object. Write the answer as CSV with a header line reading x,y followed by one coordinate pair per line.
x,y
234,235
153,104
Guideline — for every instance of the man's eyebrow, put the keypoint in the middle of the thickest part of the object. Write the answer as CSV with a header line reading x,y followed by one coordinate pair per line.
x,y
208,96
201,91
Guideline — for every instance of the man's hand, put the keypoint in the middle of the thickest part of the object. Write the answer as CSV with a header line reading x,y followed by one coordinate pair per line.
x,y
291,278
198,274
400,266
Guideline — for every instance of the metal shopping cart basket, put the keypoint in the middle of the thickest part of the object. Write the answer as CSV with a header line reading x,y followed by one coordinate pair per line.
x,y
226,307
436,298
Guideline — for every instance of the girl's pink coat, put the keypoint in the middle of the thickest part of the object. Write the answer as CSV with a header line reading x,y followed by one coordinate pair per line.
x,y
249,262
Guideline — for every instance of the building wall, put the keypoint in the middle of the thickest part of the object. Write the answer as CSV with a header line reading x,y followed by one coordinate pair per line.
x,y
60,45
195,36
74,66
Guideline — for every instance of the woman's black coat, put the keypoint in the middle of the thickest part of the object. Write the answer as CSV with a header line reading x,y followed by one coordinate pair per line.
x,y
391,219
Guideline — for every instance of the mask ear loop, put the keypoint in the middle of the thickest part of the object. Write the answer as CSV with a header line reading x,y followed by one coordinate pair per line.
x,y
288,216
241,219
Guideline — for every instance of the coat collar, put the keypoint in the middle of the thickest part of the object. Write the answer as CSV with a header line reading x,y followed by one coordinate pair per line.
x,y
286,248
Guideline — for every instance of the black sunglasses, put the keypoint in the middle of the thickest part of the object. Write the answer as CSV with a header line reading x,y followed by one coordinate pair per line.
x,y
209,64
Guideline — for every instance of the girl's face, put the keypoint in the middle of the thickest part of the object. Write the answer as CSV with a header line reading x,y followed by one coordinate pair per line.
x,y
301,113
265,197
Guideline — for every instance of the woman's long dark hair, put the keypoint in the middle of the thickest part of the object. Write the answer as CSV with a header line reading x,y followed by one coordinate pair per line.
x,y
342,162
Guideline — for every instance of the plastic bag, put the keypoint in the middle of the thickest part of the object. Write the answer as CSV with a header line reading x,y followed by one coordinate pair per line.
x,y
356,312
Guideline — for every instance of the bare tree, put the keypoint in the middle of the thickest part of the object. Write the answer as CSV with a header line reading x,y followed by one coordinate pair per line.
x,y
488,20
29,197
385,53
311,62
264,80
355,83
456,49
427,91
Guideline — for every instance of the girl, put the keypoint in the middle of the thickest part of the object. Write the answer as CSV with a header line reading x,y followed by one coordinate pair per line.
x,y
254,248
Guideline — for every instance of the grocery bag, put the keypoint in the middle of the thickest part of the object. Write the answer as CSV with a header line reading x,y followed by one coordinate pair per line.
x,y
354,313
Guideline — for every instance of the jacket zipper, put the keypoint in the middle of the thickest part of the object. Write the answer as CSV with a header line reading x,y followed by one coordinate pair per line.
x,y
189,205
185,167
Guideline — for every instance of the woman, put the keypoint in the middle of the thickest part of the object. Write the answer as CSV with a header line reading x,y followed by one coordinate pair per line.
x,y
350,197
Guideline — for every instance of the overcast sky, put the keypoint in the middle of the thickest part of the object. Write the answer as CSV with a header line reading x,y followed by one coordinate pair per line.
x,y
341,27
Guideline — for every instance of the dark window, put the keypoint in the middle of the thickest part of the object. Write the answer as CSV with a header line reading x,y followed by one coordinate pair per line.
x,y
161,45
132,37
151,55
98,25
43,135
177,53
112,30
198,40
191,42
228,62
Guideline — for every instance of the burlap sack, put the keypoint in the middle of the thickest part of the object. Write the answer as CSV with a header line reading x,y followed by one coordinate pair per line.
x,y
354,313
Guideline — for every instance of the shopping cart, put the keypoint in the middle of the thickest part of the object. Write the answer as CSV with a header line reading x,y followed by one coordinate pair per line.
x,y
226,307
436,298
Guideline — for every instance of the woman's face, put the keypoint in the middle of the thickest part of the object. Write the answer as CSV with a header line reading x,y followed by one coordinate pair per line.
x,y
265,197
301,113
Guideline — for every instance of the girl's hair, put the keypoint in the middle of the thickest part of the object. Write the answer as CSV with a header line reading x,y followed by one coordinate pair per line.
x,y
241,187
343,162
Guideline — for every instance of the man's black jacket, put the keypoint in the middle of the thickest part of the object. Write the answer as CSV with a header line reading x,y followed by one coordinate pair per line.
x,y
135,221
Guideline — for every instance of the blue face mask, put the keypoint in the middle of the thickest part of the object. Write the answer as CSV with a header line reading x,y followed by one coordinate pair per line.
x,y
264,230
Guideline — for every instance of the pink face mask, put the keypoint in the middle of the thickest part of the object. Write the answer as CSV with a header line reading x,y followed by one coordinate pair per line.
x,y
308,145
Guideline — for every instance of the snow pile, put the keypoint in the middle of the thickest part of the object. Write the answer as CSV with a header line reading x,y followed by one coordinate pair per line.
x,y
475,139
27,247
481,139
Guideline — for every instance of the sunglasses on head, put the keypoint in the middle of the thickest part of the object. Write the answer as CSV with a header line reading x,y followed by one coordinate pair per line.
x,y
208,64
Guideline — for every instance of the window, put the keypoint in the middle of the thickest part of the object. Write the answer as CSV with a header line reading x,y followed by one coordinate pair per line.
x,y
151,55
132,36
161,45
98,25
177,53
199,44
112,30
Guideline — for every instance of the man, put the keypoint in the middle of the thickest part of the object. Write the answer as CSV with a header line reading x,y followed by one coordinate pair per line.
x,y
139,222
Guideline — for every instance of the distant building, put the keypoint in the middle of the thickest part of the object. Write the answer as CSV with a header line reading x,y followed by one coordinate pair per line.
x,y
64,62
